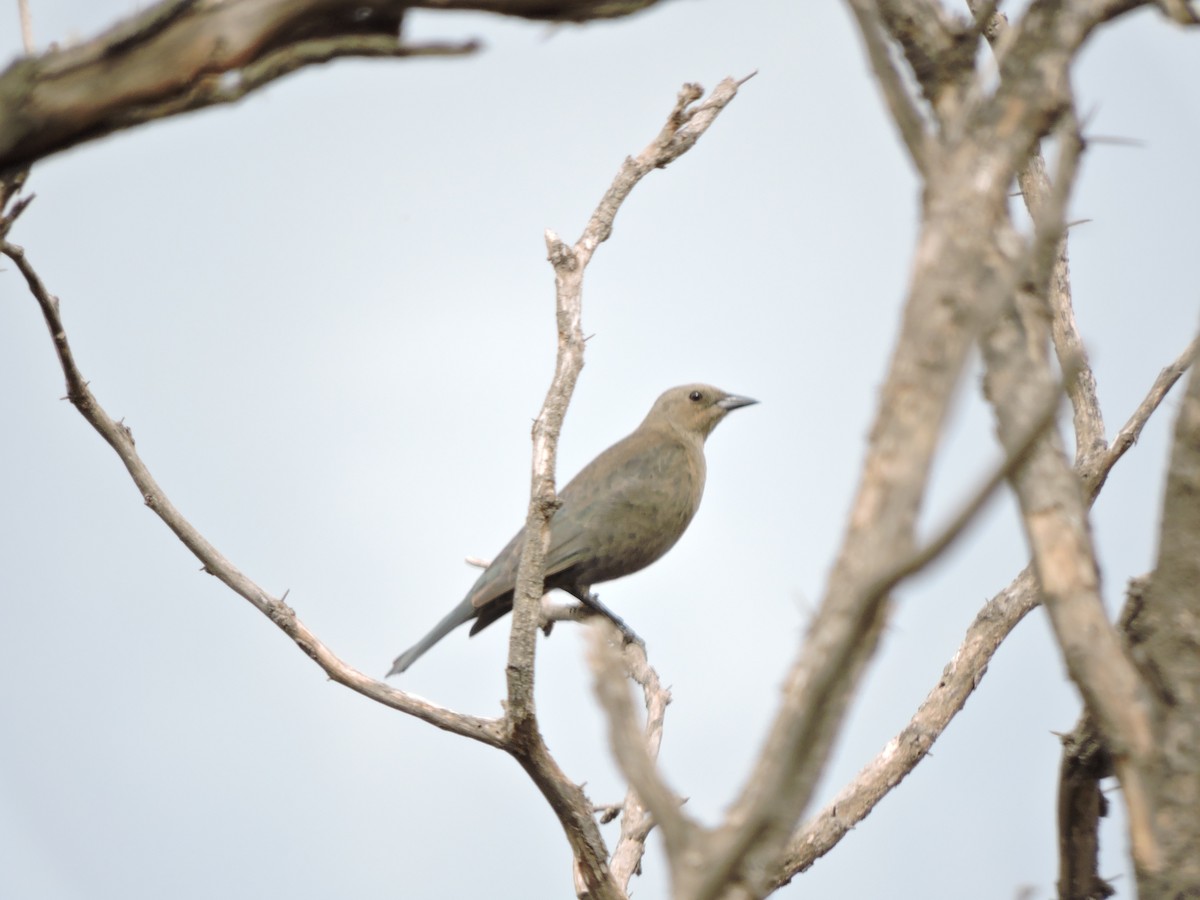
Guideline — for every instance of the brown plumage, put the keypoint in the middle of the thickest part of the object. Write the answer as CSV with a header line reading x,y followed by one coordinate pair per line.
x,y
624,510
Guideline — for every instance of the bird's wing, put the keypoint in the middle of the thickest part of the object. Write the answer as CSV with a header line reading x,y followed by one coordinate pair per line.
x,y
635,474
568,545
498,578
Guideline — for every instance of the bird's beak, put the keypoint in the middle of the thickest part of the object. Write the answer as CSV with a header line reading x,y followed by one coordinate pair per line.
x,y
733,401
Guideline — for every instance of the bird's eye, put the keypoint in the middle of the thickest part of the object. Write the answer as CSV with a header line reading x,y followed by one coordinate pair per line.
x,y
695,396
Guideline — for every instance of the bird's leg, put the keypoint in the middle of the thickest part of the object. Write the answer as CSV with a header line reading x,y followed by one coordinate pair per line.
x,y
593,601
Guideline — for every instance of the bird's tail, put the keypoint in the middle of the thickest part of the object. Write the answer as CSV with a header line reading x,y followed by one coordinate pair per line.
x,y
464,612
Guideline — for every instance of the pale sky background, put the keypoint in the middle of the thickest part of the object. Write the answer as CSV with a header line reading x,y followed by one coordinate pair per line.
x,y
327,317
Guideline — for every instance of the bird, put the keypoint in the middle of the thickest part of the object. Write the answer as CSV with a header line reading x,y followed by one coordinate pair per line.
x,y
623,511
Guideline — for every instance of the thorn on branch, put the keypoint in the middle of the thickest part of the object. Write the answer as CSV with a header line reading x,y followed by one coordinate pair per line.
x,y
282,614
1116,141
128,432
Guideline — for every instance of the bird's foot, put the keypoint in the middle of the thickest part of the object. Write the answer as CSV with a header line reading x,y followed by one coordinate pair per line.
x,y
628,634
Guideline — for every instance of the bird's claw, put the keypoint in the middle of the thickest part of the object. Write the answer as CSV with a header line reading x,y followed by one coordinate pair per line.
x,y
629,636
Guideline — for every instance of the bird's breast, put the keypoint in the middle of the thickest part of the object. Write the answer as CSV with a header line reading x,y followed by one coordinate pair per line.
x,y
636,509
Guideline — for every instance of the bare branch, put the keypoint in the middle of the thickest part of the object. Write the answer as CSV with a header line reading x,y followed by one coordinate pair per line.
x,y
544,10
1081,805
517,732
967,267
635,752
1164,633
1039,195
1055,517
957,523
182,55
636,822
118,436
1132,429
903,106
11,185
939,49
686,122
961,676
26,26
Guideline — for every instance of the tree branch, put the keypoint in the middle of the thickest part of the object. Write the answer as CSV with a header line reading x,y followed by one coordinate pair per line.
x,y
1164,630
1132,429
636,822
26,26
961,676
120,438
1068,345
634,748
967,267
939,49
182,55
1038,194
903,106
517,732
1054,512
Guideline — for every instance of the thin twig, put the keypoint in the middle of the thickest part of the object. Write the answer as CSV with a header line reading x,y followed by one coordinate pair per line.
x,y
1132,429
1068,344
904,108
899,756
636,820
634,756
683,128
26,26
958,523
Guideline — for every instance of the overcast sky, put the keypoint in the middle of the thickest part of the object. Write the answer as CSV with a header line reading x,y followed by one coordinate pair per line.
x,y
327,317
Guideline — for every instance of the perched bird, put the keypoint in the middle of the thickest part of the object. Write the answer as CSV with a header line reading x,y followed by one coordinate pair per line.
x,y
624,510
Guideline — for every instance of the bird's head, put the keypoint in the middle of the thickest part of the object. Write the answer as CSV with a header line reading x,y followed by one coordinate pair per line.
x,y
694,408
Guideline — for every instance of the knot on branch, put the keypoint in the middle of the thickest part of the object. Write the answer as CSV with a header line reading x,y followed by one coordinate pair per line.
x,y
548,504
281,614
559,254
